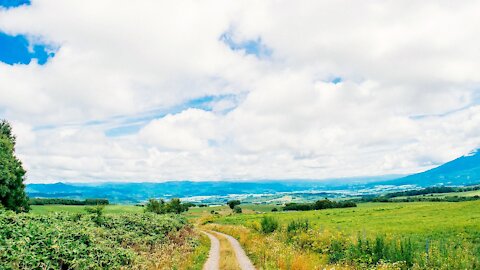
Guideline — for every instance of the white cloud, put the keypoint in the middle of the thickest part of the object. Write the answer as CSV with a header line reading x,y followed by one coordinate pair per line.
x,y
408,98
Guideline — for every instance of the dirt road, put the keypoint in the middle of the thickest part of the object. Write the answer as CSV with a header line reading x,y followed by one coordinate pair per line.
x,y
213,260
214,255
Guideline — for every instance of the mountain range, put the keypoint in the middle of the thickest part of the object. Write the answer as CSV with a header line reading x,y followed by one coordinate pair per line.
x,y
464,170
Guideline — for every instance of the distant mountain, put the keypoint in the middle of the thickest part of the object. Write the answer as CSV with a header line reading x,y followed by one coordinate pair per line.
x,y
138,192
464,170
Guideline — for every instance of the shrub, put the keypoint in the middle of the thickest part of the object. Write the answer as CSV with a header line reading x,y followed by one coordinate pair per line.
x,y
97,213
268,224
274,209
298,225
72,241
237,209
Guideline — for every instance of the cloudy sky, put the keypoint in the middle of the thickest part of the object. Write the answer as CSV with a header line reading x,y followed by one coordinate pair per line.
x,y
155,90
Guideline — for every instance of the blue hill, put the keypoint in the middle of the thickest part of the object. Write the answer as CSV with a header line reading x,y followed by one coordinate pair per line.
x,y
464,170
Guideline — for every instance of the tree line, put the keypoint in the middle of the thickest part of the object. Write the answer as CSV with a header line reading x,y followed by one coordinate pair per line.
x,y
410,195
61,201
318,205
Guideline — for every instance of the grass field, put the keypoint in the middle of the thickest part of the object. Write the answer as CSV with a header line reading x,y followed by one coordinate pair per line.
x,y
415,235
417,217
196,212
443,195
109,209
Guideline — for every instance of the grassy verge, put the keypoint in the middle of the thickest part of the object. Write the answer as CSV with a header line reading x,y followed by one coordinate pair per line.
x,y
199,256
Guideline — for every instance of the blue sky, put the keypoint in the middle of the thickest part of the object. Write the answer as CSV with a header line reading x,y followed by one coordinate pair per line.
x,y
259,90
13,3
252,46
18,50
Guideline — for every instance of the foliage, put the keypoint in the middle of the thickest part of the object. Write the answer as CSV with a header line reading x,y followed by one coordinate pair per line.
x,y
268,224
295,226
274,209
61,201
237,209
162,207
318,205
77,241
233,203
12,174
97,213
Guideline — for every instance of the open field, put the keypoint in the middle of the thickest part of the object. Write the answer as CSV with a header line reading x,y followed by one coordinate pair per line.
x,y
419,235
417,217
196,212
443,195
109,209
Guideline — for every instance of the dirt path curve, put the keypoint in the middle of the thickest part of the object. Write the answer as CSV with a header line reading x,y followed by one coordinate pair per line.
x,y
213,260
242,258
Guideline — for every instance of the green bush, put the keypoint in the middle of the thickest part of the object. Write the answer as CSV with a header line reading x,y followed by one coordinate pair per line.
x,y
237,209
268,224
77,241
298,225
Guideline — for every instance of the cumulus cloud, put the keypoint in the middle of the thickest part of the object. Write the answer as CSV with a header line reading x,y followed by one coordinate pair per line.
x,y
347,88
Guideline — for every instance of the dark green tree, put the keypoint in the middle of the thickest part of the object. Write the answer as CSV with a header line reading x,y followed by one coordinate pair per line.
x,y
156,206
233,203
176,206
12,174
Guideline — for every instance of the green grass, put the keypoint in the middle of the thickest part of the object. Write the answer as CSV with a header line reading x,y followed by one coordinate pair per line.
x,y
109,209
196,212
425,218
443,195
418,235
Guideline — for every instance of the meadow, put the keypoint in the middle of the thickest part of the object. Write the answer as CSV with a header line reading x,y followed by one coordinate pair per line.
x,y
418,235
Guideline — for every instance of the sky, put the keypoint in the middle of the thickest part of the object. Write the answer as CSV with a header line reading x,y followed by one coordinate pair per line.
x,y
152,90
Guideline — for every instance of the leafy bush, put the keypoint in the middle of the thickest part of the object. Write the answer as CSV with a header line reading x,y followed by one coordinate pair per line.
x,y
268,224
274,209
298,225
77,241
237,209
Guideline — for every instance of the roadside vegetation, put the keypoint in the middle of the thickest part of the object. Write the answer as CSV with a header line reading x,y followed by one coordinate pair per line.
x,y
92,240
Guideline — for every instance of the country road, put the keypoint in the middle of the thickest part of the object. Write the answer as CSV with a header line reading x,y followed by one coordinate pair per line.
x,y
213,260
